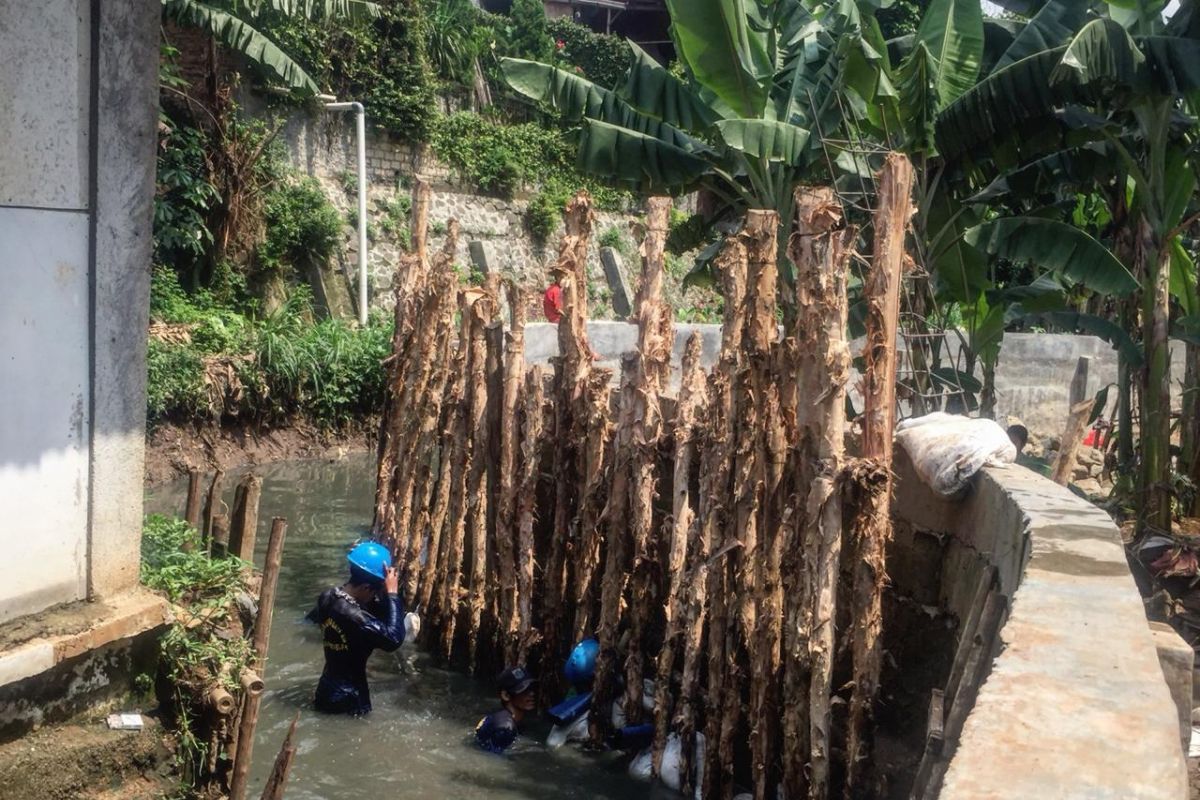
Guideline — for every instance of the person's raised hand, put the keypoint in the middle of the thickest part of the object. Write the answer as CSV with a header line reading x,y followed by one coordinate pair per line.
x,y
391,580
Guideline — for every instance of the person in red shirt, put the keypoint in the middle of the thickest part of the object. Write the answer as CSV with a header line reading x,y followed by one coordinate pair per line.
x,y
552,302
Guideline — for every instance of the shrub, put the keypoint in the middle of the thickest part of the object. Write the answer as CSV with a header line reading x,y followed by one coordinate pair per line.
x,y
174,380
527,34
543,214
183,196
601,58
614,238
302,227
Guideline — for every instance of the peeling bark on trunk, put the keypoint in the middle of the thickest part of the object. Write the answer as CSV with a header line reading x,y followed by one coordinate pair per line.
x,y
461,464
420,218
655,340
1190,417
872,528
616,558
531,460
554,579
506,527
481,310
821,254
684,533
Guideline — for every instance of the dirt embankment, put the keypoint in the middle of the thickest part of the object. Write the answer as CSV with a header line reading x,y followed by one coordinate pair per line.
x,y
173,449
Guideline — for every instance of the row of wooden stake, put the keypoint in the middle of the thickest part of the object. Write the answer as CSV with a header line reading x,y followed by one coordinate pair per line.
x,y
701,536
233,534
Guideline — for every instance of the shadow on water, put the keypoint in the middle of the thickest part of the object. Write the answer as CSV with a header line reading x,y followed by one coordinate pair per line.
x,y
416,743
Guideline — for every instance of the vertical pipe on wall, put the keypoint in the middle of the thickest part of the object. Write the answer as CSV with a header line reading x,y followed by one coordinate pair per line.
x,y
360,132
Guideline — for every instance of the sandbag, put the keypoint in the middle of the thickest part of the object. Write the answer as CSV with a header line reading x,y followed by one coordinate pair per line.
x,y
947,449
640,767
576,731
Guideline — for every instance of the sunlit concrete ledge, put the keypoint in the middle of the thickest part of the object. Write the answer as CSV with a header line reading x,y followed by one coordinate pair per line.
x,y
79,628
1076,704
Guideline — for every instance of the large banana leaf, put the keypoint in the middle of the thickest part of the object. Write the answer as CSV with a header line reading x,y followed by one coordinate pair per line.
x,y
1100,54
953,32
1183,279
1055,246
1050,27
1063,171
641,162
654,91
241,37
354,10
1187,329
765,139
577,98
1106,329
960,268
715,40
918,98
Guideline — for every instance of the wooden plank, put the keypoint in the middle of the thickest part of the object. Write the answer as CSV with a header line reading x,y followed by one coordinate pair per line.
x,y
967,635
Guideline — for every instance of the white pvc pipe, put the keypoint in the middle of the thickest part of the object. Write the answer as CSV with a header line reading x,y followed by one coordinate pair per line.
x,y
360,129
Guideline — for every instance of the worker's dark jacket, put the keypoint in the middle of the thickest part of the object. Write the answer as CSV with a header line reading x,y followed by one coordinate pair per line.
x,y
350,634
496,732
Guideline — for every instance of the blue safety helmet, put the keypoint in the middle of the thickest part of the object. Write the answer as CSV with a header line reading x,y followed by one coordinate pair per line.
x,y
581,664
371,558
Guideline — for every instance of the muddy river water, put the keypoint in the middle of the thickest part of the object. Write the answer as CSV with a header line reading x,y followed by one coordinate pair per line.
x,y
417,741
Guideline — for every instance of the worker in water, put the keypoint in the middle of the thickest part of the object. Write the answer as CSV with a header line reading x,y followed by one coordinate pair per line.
x,y
497,731
363,614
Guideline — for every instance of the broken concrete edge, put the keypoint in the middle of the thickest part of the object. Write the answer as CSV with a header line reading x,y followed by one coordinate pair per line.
x,y
129,614
1076,704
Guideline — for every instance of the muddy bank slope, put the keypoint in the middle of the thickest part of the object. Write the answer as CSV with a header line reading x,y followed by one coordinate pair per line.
x,y
172,449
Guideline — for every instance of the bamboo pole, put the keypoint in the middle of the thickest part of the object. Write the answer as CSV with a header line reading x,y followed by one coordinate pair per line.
x,y
244,526
481,311
212,506
510,437
820,250
655,340
683,533
531,459
191,511
277,780
251,682
873,523
262,637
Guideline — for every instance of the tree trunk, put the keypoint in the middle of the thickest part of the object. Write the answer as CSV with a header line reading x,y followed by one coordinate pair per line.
x,y
1190,435
821,252
655,340
1155,490
531,462
506,528
481,310
420,218
873,524
684,532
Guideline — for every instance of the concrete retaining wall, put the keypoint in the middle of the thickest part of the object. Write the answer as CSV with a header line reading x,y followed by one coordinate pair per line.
x,y
1076,705
1033,377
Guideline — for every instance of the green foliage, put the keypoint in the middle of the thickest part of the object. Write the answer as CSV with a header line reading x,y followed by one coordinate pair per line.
x,y
175,563
601,58
543,214
695,304
183,196
302,227
394,219
174,380
527,35
613,237
456,34
687,232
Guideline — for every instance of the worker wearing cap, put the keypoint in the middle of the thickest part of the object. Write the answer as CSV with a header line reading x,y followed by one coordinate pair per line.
x,y
363,614
497,731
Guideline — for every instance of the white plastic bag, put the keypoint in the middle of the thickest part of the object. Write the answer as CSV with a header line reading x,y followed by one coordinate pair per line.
x,y
640,767
947,449
576,731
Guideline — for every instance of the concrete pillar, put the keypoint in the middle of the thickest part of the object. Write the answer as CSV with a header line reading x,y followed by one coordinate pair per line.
x,y
614,273
478,256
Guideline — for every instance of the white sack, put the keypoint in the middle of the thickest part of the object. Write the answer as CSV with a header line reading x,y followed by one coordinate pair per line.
x,y
576,731
947,449
641,765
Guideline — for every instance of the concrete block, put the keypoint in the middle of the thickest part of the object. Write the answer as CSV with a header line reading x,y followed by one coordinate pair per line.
x,y
610,260
1176,658
479,256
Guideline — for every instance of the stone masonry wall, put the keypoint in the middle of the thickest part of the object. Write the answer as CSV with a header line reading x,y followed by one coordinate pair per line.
x,y
323,146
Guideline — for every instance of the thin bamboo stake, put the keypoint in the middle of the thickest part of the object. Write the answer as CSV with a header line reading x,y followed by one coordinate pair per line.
x,y
192,508
277,780
821,255
873,523
531,459
212,506
262,637
655,339
244,527
683,531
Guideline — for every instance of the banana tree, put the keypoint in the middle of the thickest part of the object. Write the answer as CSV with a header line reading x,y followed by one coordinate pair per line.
x,y
766,87
230,23
1134,88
